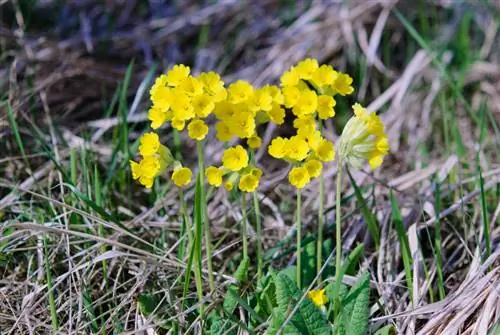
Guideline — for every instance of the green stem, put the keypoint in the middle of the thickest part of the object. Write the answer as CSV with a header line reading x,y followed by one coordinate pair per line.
x,y
338,238
196,257
50,288
321,222
258,224
299,238
208,237
244,225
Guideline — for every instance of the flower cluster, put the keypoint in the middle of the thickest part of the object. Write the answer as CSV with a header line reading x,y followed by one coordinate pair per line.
x,y
156,160
236,170
309,91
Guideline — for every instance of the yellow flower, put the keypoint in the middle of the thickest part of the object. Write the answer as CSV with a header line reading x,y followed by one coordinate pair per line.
x,y
256,172
182,176
291,95
214,176
325,107
314,140
306,104
363,138
318,297
314,168
177,74
191,86
325,151
305,126
136,169
297,148
178,124
254,142
342,84
261,100
223,132
275,93
242,125
239,92
306,68
299,177
157,116
197,130
248,183
277,114
228,185
203,105
161,96
290,78
278,147
149,144
160,82
325,75
213,85
235,158
147,170
182,107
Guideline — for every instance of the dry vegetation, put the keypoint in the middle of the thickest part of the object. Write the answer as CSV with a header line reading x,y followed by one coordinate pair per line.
x,y
430,68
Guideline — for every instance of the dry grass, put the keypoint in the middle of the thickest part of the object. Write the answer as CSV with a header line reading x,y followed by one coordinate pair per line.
x,y
441,105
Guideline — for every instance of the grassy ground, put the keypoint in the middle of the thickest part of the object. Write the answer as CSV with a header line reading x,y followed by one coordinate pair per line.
x,y
83,249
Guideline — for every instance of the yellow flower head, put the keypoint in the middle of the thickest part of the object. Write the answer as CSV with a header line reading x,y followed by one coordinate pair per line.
x,y
325,107
275,93
235,158
182,106
297,148
147,170
278,147
214,176
223,132
314,140
290,78
242,124
213,85
191,86
305,126
197,130
291,96
177,75
318,297
325,150
181,176
306,103
228,185
306,68
314,168
239,92
149,144
343,84
261,100
324,76
277,114
178,124
299,177
157,116
161,96
203,105
248,182
256,172
363,138
254,142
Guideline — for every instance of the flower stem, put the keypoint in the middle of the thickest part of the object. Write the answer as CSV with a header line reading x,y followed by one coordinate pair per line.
x,y
208,237
338,237
197,260
299,238
321,222
244,225
258,224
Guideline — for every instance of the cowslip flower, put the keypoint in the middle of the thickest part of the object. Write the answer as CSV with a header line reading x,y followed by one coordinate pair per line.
x,y
363,139
235,159
148,169
181,176
299,177
248,182
214,176
318,297
314,168
254,142
197,130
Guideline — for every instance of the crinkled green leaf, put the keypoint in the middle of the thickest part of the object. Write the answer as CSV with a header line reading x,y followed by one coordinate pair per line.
x,y
277,321
308,319
355,309
222,326
241,275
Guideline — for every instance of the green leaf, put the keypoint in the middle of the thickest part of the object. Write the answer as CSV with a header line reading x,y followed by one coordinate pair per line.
x,y
387,330
277,321
231,298
356,309
308,263
222,326
308,319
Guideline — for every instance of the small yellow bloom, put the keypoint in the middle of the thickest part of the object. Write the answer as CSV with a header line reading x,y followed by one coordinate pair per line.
x,y
325,75
149,144
314,140
278,147
254,142
161,96
306,68
291,95
318,297
178,124
182,176
177,74
223,132
314,168
277,114
214,176
136,169
182,107
248,183
256,172
343,84
290,78
228,185
157,116
275,93
299,177
203,105
239,92
325,107
191,86
261,100
305,126
325,150
147,170
235,158
213,85
242,125
197,130
297,148
306,104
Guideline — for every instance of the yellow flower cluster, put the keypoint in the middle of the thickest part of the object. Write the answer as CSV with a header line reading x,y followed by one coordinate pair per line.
x,y
363,138
308,91
156,159
318,297
236,168
180,98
